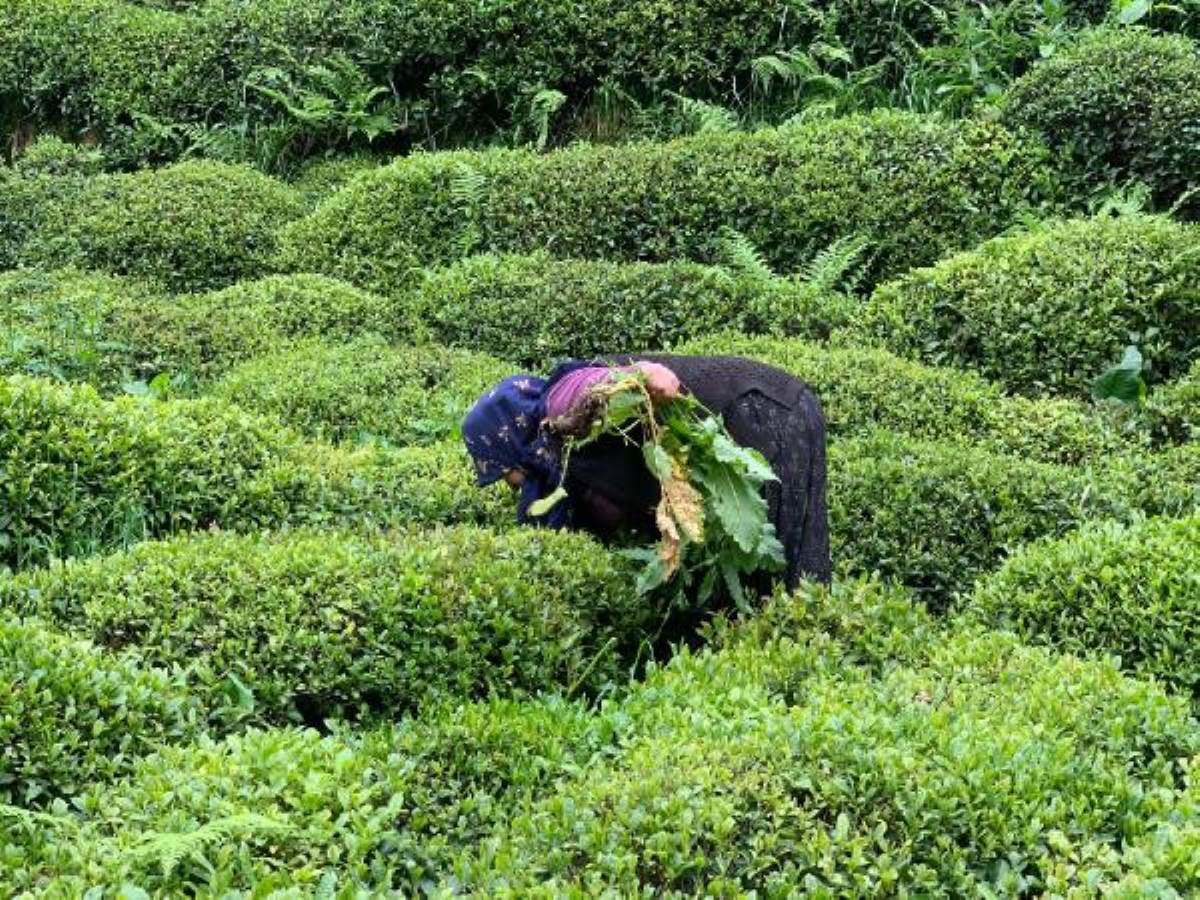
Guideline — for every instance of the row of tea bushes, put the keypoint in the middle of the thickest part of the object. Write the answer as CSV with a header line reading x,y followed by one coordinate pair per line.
x,y
191,226
72,715
107,331
1122,106
536,309
364,389
321,624
83,476
453,71
972,763
863,388
1049,310
1131,590
80,475
916,187
936,516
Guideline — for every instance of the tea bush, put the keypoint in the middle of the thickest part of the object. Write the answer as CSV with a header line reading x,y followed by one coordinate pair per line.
x,y
863,388
1122,104
915,187
58,324
936,516
453,71
191,226
72,715
1173,410
81,475
368,487
536,309
1165,483
363,389
991,766
387,806
1131,590
1048,311
320,624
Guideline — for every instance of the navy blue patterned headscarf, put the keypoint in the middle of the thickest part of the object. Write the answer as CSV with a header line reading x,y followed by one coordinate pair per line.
x,y
503,431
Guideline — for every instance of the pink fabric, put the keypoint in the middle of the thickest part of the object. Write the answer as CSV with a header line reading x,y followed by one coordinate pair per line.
x,y
570,388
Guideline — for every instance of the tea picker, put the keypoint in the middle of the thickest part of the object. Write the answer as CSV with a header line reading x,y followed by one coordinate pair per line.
x,y
719,460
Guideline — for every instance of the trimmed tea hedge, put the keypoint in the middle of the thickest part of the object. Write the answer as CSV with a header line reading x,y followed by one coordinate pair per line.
x,y
1129,590
72,715
1174,409
403,395
191,226
917,187
1123,104
205,334
1050,310
59,324
320,624
992,767
81,475
937,516
863,388
535,309
454,71
372,486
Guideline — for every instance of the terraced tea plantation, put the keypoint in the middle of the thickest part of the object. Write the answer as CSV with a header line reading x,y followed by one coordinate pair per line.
x,y
262,636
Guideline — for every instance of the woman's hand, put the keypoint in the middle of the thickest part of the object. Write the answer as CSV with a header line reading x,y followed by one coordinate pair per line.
x,y
661,382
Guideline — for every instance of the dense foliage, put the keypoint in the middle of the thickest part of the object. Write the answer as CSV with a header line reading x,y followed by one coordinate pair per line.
x,y
314,625
364,389
1124,105
1048,311
936,516
1132,591
73,715
191,226
913,187
863,388
536,309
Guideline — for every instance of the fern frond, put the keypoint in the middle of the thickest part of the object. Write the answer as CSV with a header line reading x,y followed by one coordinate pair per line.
x,y
737,252
542,108
170,848
706,118
467,189
838,265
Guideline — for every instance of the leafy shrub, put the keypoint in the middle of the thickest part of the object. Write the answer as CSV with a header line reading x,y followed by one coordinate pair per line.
x,y
79,474
535,309
989,767
74,715
365,388
915,187
319,624
1132,590
58,324
191,226
325,177
864,388
452,71
50,155
390,805
1174,409
107,330
1048,311
1162,483
372,486
1122,104
937,516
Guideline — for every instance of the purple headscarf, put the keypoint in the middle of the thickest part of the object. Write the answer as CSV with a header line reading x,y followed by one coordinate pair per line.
x,y
503,431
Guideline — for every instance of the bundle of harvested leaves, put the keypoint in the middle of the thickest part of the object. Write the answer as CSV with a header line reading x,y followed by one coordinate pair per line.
x,y
712,516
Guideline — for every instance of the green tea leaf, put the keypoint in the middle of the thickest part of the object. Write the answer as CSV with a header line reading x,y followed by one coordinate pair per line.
x,y
658,461
540,507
